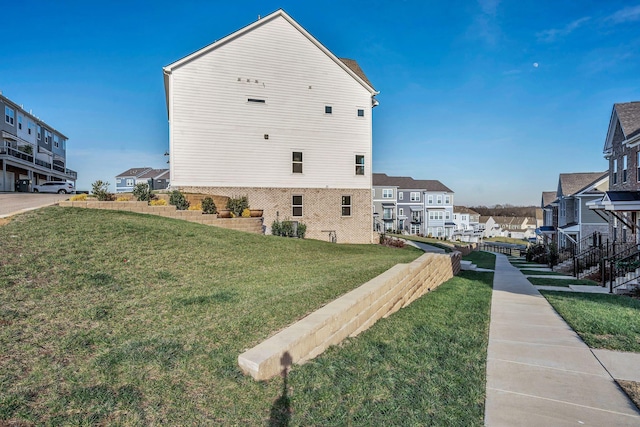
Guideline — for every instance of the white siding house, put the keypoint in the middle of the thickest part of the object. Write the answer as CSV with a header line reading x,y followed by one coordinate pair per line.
x,y
270,113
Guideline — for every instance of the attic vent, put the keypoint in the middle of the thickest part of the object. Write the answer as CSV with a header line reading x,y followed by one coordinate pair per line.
x,y
260,101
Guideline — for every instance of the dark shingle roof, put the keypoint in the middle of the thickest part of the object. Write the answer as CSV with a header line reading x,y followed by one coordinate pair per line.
x,y
408,183
548,197
629,116
572,183
134,171
353,66
153,173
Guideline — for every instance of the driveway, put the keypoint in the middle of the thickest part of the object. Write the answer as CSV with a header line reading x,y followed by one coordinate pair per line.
x,y
13,203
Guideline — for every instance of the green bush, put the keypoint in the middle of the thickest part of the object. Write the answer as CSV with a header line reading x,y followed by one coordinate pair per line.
x,y
142,192
100,189
208,206
287,229
178,200
276,228
302,230
238,204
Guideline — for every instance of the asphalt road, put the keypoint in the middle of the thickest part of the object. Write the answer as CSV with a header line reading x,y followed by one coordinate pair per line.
x,y
13,203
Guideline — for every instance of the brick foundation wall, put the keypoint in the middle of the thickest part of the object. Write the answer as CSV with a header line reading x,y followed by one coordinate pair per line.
x,y
321,209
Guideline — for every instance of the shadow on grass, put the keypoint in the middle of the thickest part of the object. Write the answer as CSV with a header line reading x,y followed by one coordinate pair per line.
x,y
280,414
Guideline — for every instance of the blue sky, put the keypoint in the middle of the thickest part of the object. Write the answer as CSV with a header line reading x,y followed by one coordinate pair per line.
x,y
493,98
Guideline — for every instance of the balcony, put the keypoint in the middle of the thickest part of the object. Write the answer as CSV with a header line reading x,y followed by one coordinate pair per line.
x,y
42,165
17,154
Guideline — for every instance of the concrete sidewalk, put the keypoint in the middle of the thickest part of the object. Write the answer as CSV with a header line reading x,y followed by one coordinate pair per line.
x,y
539,372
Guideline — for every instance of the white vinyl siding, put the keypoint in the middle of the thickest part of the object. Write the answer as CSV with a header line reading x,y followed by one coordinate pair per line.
x,y
298,79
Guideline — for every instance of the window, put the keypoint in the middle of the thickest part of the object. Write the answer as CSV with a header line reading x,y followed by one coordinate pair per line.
x,y
447,215
39,132
387,193
615,171
447,200
387,213
47,136
415,228
400,211
439,199
346,205
638,164
576,208
430,199
359,164
328,109
400,195
296,160
624,168
19,122
435,215
29,127
9,115
360,112
118,181
414,196
56,141
296,206
129,182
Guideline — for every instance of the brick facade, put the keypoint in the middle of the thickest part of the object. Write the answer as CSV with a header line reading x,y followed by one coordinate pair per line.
x,y
321,209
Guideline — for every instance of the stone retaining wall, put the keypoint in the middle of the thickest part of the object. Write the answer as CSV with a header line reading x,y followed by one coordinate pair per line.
x,y
251,225
350,314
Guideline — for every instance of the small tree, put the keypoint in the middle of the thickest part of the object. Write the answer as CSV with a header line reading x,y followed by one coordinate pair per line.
x,y
100,189
208,206
142,192
178,200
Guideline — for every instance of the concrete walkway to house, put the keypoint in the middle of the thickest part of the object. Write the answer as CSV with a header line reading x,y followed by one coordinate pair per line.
x,y
539,372
425,247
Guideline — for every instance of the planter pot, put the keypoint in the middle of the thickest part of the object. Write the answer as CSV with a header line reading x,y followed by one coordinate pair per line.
x,y
224,213
256,213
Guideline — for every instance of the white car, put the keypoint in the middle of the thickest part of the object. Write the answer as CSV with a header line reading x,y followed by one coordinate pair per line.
x,y
61,187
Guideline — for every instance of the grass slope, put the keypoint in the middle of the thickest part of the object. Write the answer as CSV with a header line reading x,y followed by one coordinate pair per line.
x,y
118,318
544,281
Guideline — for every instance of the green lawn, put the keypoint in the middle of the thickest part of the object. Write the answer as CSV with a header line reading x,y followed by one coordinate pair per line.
x,y
602,320
543,281
482,259
118,318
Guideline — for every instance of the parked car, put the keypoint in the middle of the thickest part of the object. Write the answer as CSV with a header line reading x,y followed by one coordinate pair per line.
x,y
61,187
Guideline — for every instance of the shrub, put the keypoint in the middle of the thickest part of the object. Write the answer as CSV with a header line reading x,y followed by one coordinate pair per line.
x,y
178,200
158,202
537,253
196,207
391,242
302,230
276,228
238,204
208,206
78,198
101,190
122,199
288,229
246,213
142,192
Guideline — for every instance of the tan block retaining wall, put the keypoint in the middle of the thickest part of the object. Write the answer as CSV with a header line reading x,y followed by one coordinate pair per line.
x,y
251,225
350,314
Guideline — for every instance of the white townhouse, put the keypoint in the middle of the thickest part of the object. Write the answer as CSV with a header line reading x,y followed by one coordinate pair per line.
x,y
270,113
467,221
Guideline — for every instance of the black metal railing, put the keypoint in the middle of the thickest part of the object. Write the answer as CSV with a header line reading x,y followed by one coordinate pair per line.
x,y
503,249
17,154
622,271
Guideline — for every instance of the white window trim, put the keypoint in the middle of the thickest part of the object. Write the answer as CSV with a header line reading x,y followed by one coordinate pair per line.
x,y
350,205
301,205
414,196
363,165
293,162
9,118
387,193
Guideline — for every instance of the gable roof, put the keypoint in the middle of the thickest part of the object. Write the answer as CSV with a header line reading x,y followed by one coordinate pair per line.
x,y
572,183
153,173
350,66
134,172
629,116
548,197
408,183
464,210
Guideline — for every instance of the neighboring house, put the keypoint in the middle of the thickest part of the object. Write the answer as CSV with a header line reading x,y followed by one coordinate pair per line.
x,y
515,227
270,113
621,203
413,206
549,205
488,226
30,150
467,221
126,181
157,179
575,220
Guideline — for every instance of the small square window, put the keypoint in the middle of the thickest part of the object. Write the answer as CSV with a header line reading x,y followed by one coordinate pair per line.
x,y
296,206
360,112
359,164
297,162
346,205
328,109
